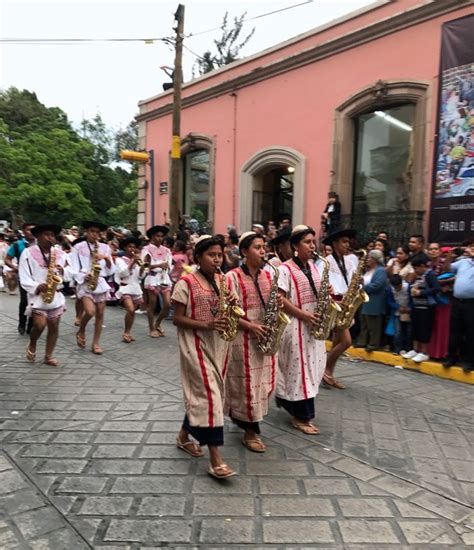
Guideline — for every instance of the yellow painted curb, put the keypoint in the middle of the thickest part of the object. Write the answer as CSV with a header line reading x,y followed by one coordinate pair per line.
x,y
427,367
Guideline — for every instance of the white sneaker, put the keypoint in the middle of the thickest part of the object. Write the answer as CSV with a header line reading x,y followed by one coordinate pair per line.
x,y
402,352
420,357
409,354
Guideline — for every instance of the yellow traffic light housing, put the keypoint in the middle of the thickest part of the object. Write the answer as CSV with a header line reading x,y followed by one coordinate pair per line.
x,y
135,156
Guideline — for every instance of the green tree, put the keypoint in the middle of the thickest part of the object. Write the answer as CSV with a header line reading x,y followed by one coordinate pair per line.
x,y
228,46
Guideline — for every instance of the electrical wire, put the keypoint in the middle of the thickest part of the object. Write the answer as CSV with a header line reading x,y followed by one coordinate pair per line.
x,y
253,18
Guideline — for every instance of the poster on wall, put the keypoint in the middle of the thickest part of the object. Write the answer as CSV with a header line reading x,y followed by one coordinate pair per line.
x,y
452,207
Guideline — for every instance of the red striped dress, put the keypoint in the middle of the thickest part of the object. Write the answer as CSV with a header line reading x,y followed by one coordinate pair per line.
x,y
301,359
203,354
250,379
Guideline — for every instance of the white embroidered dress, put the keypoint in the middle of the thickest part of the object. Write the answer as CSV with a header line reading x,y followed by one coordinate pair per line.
x,y
80,259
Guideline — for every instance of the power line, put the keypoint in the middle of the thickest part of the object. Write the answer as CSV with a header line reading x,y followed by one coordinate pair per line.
x,y
78,40
253,18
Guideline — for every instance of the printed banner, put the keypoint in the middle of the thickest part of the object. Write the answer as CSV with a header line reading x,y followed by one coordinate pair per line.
x,y
452,207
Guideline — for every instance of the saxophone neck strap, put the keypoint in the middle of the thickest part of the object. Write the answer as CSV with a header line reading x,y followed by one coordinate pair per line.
x,y
46,258
341,265
306,269
246,270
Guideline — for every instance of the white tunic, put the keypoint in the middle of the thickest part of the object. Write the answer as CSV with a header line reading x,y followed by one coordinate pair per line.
x,y
158,255
33,271
301,359
129,280
80,259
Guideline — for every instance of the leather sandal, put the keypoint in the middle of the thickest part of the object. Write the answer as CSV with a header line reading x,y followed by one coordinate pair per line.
x,y
96,350
255,445
305,427
189,447
220,472
154,334
81,340
51,362
30,355
126,338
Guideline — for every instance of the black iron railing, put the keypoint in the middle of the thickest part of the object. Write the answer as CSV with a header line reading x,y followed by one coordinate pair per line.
x,y
399,225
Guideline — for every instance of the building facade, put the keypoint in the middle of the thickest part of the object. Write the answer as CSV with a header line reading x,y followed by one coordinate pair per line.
x,y
350,107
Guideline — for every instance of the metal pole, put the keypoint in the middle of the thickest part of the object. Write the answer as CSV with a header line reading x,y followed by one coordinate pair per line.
x,y
175,183
152,185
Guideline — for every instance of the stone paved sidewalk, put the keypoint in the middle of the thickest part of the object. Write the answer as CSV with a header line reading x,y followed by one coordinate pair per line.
x,y
88,457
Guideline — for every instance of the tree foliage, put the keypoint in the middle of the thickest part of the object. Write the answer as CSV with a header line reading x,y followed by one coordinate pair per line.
x,y
51,172
228,46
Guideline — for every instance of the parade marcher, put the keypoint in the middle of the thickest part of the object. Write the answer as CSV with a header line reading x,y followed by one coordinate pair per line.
x,y
203,355
282,246
342,266
302,358
128,275
157,282
91,263
12,261
250,378
45,304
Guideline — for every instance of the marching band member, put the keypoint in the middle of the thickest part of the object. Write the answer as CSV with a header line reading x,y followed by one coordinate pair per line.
x,y
157,282
342,266
203,355
129,272
91,263
301,359
250,378
40,269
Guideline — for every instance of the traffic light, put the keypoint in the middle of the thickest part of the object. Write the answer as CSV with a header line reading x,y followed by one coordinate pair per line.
x,y
135,156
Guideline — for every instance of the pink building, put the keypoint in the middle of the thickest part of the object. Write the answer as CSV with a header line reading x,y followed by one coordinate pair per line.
x,y
350,107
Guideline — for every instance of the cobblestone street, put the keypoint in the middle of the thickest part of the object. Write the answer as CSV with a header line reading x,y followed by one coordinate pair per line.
x,y
88,457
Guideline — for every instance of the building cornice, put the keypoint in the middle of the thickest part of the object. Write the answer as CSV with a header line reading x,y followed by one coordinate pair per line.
x,y
376,30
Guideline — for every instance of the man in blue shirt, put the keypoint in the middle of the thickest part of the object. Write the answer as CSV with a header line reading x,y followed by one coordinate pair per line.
x,y
461,340
15,251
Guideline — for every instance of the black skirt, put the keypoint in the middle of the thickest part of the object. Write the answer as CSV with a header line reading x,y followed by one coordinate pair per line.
x,y
205,436
302,410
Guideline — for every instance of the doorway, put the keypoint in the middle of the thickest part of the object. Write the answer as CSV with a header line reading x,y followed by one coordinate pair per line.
x,y
272,195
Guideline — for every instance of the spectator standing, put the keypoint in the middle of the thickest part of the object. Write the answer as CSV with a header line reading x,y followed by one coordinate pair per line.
x,y
440,337
331,217
461,342
14,253
3,252
373,311
399,299
179,260
400,265
422,294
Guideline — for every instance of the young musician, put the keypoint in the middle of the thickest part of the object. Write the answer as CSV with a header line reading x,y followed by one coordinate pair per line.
x,y
157,282
342,266
203,355
282,246
302,358
38,264
128,275
84,256
250,379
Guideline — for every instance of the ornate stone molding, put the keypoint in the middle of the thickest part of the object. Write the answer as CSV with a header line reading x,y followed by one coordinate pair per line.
x,y
378,29
271,157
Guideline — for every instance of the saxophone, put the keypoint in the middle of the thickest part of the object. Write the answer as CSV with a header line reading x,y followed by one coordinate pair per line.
x,y
274,319
355,295
95,269
326,308
231,314
52,279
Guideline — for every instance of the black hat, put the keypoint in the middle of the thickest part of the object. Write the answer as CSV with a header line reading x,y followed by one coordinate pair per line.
x,y
130,240
350,233
38,229
157,229
282,236
100,226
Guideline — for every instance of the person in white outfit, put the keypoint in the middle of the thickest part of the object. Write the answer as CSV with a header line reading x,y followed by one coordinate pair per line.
x,y
45,305
129,272
93,296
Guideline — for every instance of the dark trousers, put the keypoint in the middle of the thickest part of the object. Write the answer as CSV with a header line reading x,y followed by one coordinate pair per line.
x,y
402,337
371,330
461,336
21,308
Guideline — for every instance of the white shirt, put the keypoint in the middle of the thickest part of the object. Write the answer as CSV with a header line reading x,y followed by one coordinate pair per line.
x,y
33,271
80,259
336,278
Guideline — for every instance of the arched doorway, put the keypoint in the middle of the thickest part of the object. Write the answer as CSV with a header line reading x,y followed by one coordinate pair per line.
x,y
272,183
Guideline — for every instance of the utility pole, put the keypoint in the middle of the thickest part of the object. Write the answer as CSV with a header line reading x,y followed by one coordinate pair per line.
x,y
175,183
